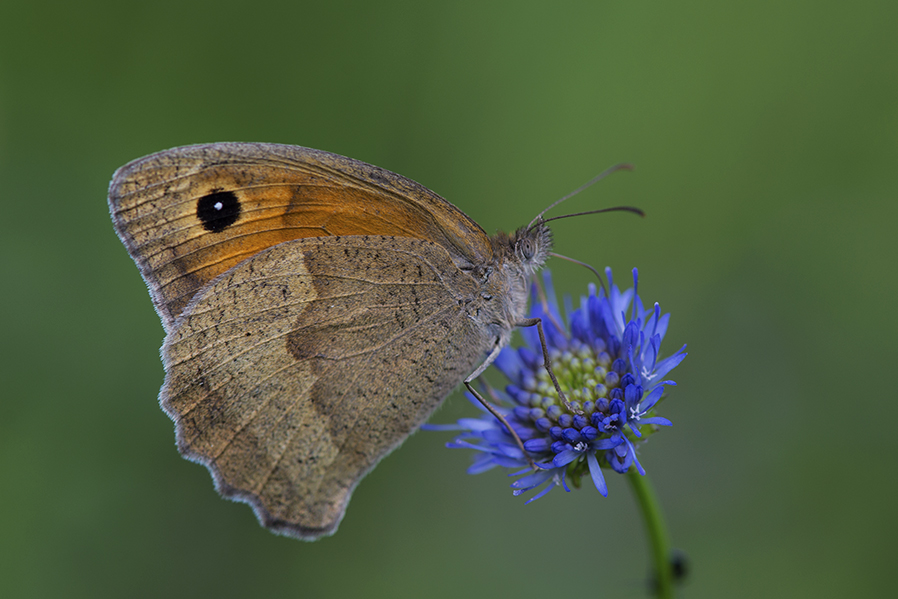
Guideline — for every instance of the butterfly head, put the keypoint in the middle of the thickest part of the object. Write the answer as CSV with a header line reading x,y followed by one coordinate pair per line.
x,y
532,245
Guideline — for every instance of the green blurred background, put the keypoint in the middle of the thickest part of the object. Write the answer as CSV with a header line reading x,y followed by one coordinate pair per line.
x,y
766,142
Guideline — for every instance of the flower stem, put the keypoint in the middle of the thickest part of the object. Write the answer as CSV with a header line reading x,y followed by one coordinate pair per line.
x,y
657,531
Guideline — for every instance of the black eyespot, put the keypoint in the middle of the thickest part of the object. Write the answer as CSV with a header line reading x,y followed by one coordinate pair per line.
x,y
527,248
218,210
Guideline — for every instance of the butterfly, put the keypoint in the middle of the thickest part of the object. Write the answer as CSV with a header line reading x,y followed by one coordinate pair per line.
x,y
317,309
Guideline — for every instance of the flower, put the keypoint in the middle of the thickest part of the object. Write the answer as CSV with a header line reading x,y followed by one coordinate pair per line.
x,y
607,365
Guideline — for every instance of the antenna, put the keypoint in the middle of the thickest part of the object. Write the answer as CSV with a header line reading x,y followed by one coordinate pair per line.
x,y
614,209
590,183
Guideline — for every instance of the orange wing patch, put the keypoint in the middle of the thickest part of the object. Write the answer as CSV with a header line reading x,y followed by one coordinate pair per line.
x,y
189,214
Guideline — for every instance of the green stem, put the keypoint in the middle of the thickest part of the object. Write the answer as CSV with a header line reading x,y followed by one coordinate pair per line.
x,y
657,531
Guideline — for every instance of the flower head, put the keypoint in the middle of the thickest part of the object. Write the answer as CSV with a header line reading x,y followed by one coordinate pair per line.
x,y
605,357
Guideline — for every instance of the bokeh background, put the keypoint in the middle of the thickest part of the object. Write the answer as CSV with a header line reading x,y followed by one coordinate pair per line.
x,y
765,136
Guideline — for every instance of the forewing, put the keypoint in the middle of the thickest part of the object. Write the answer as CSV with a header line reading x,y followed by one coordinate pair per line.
x,y
189,214
291,375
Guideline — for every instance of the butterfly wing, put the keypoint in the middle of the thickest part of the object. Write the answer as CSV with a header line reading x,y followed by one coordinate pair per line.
x,y
189,214
293,373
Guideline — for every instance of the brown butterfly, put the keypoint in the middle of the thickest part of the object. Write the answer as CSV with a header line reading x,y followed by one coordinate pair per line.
x,y
317,309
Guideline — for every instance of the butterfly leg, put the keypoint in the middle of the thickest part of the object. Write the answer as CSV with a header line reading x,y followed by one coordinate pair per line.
x,y
492,410
547,362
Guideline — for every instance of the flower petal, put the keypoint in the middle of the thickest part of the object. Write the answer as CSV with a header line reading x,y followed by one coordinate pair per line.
x,y
481,464
609,443
532,480
651,399
440,427
635,459
565,457
669,363
509,363
540,494
595,471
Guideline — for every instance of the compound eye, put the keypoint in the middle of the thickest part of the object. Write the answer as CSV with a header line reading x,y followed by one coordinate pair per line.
x,y
527,248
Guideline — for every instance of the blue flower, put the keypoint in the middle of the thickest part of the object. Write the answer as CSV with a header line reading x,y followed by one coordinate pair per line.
x,y
605,358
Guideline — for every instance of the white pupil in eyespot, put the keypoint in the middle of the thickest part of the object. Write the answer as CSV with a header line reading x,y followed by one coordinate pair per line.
x,y
218,206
